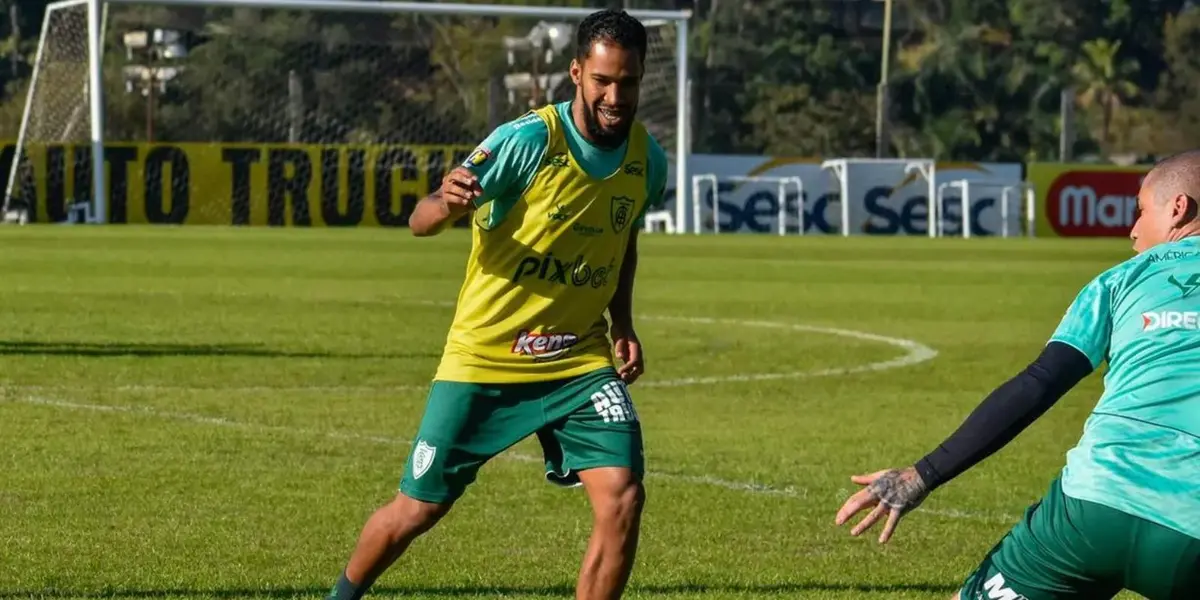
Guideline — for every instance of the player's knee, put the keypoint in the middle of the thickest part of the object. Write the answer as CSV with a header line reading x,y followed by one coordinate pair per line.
x,y
407,517
623,506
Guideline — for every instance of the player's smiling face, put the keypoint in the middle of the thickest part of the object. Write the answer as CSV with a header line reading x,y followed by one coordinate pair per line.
x,y
609,84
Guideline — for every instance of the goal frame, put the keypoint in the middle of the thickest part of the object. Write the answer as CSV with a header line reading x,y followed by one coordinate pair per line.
x,y
926,168
95,98
964,187
22,131
714,182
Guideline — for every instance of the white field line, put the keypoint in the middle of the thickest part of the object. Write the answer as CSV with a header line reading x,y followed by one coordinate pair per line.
x,y
914,352
199,419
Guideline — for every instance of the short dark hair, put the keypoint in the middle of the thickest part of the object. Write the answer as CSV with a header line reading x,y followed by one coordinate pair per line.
x,y
1176,174
615,26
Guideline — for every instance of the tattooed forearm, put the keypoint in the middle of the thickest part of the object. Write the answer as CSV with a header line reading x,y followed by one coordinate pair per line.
x,y
903,490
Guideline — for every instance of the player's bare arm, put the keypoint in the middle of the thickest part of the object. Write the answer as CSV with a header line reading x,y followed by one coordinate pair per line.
x,y
1004,414
626,346
455,198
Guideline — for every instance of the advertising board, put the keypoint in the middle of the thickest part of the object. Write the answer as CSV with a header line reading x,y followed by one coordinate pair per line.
x,y
884,199
346,185
1086,200
240,184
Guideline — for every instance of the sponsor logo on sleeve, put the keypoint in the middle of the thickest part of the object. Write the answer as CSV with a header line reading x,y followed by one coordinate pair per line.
x,y
480,156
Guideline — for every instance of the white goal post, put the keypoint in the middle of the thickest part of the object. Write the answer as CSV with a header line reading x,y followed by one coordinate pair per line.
x,y
924,168
781,184
79,128
1008,190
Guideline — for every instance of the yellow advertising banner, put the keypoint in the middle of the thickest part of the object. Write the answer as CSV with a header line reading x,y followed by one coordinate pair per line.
x,y
313,185
1085,200
240,184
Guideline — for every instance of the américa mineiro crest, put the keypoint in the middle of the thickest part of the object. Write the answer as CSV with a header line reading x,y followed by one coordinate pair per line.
x,y
622,212
422,458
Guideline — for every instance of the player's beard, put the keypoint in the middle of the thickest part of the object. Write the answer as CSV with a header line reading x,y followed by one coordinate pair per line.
x,y
607,137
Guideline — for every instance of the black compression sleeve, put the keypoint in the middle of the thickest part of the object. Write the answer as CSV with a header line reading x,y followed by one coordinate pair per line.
x,y
1006,412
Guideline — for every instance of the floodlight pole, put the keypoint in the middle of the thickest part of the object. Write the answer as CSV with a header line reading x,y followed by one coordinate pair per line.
x,y
881,94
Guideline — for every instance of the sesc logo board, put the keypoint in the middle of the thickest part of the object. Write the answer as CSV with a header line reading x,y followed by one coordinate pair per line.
x,y
884,200
240,184
1086,200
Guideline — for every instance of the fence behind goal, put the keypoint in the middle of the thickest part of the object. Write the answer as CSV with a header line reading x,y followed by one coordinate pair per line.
x,y
320,112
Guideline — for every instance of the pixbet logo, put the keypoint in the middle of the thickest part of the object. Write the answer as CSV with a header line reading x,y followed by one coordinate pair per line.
x,y
543,346
1170,319
549,268
1093,203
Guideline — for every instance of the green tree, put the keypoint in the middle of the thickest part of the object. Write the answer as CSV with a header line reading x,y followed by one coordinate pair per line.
x,y
1172,121
969,89
784,77
1105,80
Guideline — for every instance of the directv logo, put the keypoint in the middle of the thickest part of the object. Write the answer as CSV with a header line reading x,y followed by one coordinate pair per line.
x,y
1170,319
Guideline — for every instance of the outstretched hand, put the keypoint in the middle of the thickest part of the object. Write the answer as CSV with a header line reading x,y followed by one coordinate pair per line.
x,y
893,492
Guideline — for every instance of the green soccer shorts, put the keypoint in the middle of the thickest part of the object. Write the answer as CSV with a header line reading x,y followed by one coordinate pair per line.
x,y
1066,548
582,422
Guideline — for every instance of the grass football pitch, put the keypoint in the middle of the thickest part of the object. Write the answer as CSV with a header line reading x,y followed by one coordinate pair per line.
x,y
213,413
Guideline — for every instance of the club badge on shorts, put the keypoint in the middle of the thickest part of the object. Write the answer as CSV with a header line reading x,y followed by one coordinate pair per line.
x,y
422,458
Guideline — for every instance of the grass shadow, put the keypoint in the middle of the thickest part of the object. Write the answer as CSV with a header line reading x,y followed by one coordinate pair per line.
x,y
564,590
121,349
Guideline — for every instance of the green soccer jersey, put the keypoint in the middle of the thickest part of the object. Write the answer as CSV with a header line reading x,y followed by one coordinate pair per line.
x,y
1140,450
517,149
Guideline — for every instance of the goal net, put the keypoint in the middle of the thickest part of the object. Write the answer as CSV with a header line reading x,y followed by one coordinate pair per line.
x,y
338,113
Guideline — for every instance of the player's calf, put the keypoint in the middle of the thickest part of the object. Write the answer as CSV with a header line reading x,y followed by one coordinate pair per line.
x,y
384,538
618,498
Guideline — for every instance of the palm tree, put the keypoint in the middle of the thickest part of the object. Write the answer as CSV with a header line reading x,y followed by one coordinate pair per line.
x,y
1105,80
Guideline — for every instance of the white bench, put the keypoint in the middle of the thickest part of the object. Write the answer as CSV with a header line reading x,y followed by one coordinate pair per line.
x,y
660,217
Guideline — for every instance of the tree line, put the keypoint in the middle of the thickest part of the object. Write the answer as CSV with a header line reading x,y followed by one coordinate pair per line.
x,y
968,79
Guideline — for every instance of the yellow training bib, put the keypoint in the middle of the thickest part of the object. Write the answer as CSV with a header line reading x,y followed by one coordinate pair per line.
x,y
538,282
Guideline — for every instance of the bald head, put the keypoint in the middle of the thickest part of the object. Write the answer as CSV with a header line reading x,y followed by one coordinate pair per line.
x,y
1167,202
1174,176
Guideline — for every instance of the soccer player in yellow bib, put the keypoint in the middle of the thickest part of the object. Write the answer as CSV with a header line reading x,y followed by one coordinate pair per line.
x,y
557,198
